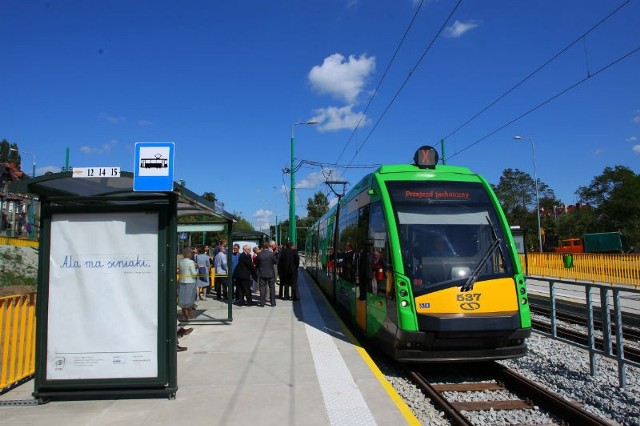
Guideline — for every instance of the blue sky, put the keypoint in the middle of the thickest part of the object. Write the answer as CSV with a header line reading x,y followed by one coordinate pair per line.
x,y
225,81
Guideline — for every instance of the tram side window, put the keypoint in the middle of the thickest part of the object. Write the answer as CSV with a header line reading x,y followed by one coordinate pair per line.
x,y
330,255
382,280
346,254
322,246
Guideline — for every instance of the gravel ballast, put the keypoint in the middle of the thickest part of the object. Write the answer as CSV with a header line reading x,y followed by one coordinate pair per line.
x,y
560,367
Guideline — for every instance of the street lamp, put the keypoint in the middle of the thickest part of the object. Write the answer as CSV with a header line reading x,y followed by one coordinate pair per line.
x,y
292,194
535,177
31,205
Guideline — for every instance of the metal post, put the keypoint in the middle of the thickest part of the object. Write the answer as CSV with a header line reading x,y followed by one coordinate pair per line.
x,y
292,195
535,177
552,300
622,372
292,192
606,320
590,331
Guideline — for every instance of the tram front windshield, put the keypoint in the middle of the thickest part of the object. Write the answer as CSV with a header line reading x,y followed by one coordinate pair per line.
x,y
447,232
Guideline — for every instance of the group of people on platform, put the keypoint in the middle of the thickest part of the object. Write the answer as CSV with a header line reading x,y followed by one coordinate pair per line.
x,y
256,270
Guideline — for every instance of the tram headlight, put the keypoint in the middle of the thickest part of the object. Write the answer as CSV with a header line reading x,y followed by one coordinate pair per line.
x,y
404,303
523,290
403,293
523,301
460,272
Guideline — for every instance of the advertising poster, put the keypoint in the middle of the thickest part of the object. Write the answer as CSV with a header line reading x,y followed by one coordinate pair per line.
x,y
103,296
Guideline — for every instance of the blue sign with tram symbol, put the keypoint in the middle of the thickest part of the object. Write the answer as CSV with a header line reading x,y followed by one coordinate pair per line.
x,y
153,167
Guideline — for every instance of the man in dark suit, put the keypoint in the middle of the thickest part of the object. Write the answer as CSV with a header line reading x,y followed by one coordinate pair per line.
x,y
287,268
265,262
242,274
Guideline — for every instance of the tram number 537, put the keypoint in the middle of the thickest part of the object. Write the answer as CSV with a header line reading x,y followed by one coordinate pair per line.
x,y
469,301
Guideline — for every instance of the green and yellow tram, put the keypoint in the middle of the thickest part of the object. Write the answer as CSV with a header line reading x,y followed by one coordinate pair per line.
x,y
420,258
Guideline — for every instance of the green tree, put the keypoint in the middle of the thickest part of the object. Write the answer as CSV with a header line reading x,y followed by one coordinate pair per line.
x,y
516,191
9,153
241,224
577,223
613,196
317,206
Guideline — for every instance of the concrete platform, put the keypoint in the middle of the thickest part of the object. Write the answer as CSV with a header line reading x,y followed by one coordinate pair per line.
x,y
291,364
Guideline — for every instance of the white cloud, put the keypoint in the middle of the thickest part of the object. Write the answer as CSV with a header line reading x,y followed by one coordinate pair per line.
x,y
636,148
338,118
262,213
598,151
106,147
636,116
262,219
631,139
340,78
459,28
311,181
315,179
144,123
112,118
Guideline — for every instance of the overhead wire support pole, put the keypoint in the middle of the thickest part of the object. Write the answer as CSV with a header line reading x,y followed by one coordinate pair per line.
x,y
292,193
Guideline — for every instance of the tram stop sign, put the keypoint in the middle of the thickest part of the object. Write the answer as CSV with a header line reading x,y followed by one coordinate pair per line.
x,y
153,167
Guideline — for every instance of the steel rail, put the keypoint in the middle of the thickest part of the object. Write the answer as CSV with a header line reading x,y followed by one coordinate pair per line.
x,y
630,353
528,391
567,410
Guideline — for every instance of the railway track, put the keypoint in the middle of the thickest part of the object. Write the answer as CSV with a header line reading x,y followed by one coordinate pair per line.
x,y
630,352
493,382
630,334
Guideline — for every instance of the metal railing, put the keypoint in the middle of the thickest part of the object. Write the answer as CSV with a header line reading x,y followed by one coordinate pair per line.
x,y
608,297
17,339
611,269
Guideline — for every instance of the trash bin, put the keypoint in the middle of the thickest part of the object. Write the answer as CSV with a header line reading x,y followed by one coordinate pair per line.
x,y
567,259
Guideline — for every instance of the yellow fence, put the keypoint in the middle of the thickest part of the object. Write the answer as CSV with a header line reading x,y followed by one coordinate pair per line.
x,y
17,338
8,241
598,268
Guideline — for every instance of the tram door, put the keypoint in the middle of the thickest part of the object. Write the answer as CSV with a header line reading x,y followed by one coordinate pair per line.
x,y
375,283
364,272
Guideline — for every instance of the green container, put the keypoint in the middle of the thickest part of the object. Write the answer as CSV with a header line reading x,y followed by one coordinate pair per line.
x,y
567,259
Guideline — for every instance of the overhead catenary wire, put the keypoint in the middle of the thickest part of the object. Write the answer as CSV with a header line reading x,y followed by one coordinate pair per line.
x,y
548,100
337,166
384,74
406,80
582,37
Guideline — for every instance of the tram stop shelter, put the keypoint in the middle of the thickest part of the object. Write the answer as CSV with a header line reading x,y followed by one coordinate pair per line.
x,y
106,290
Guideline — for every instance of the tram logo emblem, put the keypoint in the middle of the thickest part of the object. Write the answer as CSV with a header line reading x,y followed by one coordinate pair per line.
x,y
470,306
425,305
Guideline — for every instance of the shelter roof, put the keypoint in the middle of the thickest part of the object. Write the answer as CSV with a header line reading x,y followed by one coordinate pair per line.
x,y
63,189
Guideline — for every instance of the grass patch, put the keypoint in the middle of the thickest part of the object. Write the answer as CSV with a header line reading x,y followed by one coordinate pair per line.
x,y
9,278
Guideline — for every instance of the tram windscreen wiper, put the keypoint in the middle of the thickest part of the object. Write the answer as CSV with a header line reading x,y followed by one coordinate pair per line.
x,y
471,280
